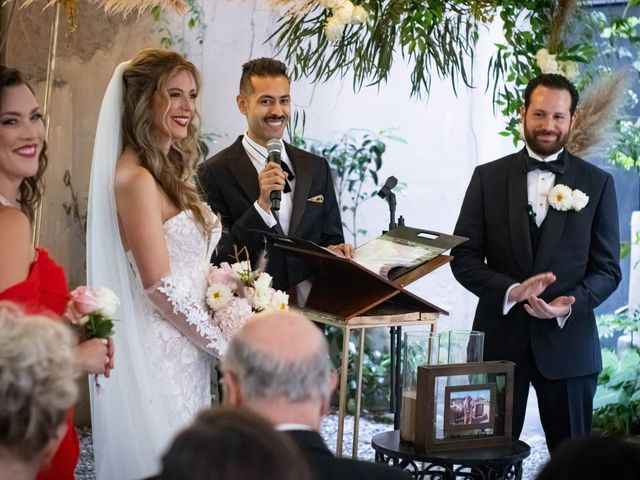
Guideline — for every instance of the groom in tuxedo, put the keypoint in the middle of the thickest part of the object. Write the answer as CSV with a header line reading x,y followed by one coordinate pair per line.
x,y
238,182
540,263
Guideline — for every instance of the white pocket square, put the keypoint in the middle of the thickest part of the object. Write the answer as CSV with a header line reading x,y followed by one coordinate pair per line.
x,y
316,199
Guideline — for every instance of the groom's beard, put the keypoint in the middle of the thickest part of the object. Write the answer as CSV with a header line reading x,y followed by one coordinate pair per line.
x,y
545,149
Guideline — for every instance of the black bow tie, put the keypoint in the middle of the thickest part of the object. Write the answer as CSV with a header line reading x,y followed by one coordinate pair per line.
x,y
285,167
555,166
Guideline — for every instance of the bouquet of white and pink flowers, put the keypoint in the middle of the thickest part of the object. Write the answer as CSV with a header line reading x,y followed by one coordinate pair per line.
x,y
235,292
90,312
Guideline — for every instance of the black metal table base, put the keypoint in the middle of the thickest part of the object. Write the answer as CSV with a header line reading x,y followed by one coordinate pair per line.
x,y
446,471
503,462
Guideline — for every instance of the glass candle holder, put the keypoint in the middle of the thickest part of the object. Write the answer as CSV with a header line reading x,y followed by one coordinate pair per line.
x,y
419,348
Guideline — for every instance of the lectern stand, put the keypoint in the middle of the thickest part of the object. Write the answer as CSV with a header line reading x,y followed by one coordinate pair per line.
x,y
348,296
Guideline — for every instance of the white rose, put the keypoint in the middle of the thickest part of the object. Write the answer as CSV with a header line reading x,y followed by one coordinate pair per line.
x,y
344,12
333,29
560,197
279,300
570,69
359,15
579,200
332,3
107,300
261,299
218,296
263,281
546,61
241,267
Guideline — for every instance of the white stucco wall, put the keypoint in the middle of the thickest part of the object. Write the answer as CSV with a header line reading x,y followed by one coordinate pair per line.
x,y
447,136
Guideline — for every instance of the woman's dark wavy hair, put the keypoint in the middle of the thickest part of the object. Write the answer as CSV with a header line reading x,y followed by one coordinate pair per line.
x,y
32,188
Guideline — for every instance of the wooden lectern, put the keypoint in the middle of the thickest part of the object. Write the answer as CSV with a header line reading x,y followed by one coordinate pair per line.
x,y
348,296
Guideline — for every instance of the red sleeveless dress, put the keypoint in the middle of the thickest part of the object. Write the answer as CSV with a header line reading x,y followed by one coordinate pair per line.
x,y
45,291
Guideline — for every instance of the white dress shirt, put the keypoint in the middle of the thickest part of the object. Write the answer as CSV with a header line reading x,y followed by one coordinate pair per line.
x,y
539,183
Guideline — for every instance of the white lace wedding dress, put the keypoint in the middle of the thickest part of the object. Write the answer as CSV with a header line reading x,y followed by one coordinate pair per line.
x,y
180,368
164,341
162,375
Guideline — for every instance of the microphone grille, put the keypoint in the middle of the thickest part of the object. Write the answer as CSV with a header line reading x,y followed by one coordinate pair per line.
x,y
274,145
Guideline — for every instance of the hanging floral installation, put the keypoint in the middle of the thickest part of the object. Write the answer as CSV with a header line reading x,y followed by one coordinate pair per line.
x,y
111,7
326,38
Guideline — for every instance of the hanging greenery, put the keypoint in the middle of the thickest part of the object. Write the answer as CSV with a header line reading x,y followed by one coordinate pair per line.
x,y
326,38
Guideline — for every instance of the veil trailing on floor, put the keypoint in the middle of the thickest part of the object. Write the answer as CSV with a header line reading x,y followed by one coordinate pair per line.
x,y
128,419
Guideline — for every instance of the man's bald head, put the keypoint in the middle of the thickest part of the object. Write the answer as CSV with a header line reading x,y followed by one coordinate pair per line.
x,y
280,355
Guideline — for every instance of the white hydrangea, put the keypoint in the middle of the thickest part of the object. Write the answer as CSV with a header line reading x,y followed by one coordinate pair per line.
x,y
332,3
547,61
359,15
218,296
344,12
334,29
579,200
107,300
570,69
560,197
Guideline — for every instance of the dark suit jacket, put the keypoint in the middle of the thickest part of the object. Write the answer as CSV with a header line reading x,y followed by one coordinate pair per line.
x,y
230,182
325,466
580,248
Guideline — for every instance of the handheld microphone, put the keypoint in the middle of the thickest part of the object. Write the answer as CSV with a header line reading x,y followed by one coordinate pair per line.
x,y
274,147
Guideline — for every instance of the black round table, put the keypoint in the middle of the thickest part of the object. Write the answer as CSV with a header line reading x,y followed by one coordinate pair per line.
x,y
486,463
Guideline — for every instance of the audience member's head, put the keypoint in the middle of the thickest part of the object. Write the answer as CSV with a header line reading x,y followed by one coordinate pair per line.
x,y
37,387
232,444
278,365
594,458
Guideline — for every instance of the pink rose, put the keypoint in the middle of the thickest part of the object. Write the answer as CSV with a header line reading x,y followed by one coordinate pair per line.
x,y
83,301
223,274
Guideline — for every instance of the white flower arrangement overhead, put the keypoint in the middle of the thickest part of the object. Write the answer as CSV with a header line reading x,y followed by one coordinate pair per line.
x,y
343,12
548,63
563,198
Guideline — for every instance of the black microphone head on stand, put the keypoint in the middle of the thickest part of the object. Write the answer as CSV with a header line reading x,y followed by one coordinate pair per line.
x,y
274,149
388,186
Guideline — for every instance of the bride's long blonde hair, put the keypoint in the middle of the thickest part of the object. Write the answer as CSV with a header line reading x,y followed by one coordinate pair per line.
x,y
147,73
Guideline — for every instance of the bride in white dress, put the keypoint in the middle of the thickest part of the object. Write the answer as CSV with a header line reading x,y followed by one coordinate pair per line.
x,y
150,240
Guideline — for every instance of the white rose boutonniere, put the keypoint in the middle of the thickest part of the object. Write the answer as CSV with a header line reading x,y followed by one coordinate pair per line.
x,y
579,200
564,198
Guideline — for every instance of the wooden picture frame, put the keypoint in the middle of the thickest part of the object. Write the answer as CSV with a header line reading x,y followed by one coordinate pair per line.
x,y
438,391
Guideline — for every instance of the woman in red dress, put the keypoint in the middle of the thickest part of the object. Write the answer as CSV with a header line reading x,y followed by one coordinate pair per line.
x,y
28,276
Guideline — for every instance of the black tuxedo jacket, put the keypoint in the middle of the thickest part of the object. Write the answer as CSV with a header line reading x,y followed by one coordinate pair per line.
x,y
580,247
325,466
230,183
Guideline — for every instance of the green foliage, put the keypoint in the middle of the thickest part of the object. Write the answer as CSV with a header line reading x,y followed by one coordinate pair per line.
x,y
97,326
617,402
433,37
356,160
375,372
616,406
175,41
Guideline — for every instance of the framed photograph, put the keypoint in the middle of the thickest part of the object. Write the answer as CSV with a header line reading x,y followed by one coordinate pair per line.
x,y
469,410
463,405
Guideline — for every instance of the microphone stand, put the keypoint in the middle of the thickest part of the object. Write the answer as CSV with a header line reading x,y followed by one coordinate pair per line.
x,y
395,334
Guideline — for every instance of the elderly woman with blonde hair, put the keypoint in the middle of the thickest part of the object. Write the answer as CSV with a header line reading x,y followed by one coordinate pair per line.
x,y
37,387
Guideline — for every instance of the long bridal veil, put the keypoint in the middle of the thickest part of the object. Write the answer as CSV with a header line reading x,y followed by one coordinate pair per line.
x,y
130,424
